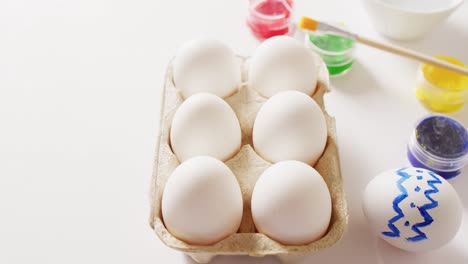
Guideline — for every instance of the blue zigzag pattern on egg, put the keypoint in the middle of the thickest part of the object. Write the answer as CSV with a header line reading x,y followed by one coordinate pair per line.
x,y
395,232
423,210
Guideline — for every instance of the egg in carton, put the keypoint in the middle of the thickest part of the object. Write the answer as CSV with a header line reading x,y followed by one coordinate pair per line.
x,y
247,166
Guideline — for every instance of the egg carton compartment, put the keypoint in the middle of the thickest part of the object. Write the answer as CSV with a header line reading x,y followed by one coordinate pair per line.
x,y
247,166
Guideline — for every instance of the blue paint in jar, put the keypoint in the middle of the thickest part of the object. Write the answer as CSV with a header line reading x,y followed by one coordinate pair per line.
x,y
440,144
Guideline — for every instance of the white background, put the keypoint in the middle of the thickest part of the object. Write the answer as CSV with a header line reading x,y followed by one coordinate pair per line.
x,y
80,85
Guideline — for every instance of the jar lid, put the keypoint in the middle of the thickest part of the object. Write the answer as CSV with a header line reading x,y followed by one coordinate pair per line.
x,y
443,78
442,137
325,43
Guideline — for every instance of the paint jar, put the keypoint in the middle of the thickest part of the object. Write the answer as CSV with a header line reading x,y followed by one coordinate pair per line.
x,y
440,144
336,51
441,90
268,18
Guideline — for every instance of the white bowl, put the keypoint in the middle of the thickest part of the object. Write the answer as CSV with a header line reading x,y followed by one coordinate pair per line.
x,y
408,19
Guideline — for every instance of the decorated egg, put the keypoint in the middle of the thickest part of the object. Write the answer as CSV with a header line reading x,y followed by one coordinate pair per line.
x,y
412,208
282,63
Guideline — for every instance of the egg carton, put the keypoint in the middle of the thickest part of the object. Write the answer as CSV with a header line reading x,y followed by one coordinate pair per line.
x,y
247,166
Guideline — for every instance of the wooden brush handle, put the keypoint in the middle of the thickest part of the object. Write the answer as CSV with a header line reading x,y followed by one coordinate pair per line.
x,y
412,55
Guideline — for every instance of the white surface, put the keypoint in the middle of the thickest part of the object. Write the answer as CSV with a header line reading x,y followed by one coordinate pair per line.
x,y
80,85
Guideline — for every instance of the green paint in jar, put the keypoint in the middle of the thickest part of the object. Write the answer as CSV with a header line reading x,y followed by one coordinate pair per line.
x,y
336,51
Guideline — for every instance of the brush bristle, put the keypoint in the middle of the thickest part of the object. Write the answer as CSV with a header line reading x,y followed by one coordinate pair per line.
x,y
308,23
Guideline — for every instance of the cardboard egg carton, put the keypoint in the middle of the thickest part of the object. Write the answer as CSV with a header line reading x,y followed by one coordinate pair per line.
x,y
247,165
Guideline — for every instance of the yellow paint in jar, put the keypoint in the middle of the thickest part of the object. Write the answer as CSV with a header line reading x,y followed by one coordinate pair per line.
x,y
441,90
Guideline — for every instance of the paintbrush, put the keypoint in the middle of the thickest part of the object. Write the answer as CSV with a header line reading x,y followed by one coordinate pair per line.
x,y
312,25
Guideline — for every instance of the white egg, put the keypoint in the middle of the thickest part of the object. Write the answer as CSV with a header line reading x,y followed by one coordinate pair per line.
x,y
282,63
413,209
206,65
290,126
202,201
291,203
205,124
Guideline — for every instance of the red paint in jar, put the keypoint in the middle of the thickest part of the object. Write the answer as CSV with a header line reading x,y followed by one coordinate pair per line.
x,y
268,18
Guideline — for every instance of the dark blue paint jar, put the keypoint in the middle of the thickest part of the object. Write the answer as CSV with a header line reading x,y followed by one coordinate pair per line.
x,y
440,144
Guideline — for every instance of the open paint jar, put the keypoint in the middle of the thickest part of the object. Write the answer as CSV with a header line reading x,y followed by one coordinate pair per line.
x,y
268,18
336,51
439,144
441,90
